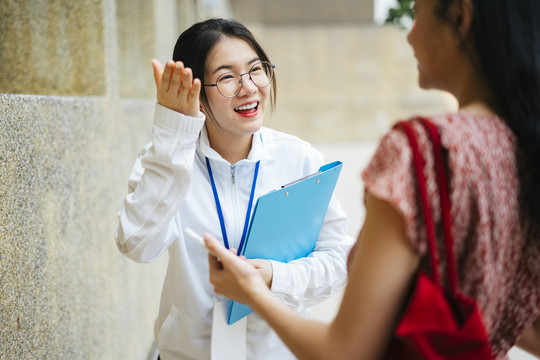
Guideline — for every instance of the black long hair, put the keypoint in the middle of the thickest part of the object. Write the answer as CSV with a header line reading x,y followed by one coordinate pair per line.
x,y
194,45
507,43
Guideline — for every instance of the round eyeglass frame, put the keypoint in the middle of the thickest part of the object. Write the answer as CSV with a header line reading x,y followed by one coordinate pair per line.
x,y
240,81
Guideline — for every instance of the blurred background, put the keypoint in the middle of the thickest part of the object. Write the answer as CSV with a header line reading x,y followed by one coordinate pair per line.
x,y
76,105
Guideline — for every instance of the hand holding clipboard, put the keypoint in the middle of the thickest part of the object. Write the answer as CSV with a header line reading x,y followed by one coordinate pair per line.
x,y
286,222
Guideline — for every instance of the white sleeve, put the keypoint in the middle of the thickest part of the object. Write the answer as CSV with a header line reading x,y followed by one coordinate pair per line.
x,y
307,281
157,185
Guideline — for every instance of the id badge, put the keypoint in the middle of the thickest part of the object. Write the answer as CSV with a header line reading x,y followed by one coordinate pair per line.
x,y
228,341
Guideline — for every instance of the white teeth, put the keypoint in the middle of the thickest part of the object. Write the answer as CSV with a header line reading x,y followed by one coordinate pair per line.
x,y
247,107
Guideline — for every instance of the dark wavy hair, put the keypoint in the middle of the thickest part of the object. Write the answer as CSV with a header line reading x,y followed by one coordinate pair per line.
x,y
194,45
506,35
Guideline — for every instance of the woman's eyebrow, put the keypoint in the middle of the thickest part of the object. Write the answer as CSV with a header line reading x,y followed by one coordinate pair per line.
x,y
229,67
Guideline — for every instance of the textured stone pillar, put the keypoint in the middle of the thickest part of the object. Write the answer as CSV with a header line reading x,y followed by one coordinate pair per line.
x,y
76,106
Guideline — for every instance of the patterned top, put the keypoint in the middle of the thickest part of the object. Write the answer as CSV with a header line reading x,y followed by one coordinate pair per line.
x,y
498,258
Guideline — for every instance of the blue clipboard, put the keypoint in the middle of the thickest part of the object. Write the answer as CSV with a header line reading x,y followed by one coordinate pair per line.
x,y
286,222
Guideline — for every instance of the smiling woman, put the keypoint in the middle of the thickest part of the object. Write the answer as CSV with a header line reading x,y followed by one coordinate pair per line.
x,y
238,106
209,159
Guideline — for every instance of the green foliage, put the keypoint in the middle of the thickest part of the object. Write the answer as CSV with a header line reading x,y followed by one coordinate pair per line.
x,y
402,14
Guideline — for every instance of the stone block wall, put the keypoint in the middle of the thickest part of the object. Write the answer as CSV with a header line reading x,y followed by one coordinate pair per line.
x,y
76,105
344,83
52,47
65,291
317,12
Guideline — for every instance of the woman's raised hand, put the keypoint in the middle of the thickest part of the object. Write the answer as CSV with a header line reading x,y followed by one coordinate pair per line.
x,y
176,88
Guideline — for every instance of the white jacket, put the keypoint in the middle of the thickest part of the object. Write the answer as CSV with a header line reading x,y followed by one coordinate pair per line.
x,y
169,190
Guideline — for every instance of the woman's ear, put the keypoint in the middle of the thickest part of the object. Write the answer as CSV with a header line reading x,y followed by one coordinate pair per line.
x,y
462,18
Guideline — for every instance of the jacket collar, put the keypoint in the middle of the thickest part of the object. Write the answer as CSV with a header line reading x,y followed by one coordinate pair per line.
x,y
204,149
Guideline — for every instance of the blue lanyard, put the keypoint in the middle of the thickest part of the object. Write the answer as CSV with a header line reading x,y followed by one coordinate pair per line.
x,y
220,212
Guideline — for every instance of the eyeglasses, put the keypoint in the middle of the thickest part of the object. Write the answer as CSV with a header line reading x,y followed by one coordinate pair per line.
x,y
230,83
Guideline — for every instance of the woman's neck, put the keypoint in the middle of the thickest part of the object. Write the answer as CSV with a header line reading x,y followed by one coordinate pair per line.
x,y
480,103
231,148
472,92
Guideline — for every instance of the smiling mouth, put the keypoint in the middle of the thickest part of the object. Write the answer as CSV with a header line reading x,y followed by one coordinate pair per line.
x,y
246,109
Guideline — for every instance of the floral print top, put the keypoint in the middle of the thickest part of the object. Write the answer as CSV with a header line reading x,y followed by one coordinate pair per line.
x,y
497,254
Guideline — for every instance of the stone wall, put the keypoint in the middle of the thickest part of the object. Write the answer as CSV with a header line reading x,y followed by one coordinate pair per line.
x,y
66,292
344,83
75,108
315,12
76,103
52,47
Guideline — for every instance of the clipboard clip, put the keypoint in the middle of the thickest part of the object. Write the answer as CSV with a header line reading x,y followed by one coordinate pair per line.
x,y
301,179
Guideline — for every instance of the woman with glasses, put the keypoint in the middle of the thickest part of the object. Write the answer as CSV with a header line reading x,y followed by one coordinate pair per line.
x,y
210,158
